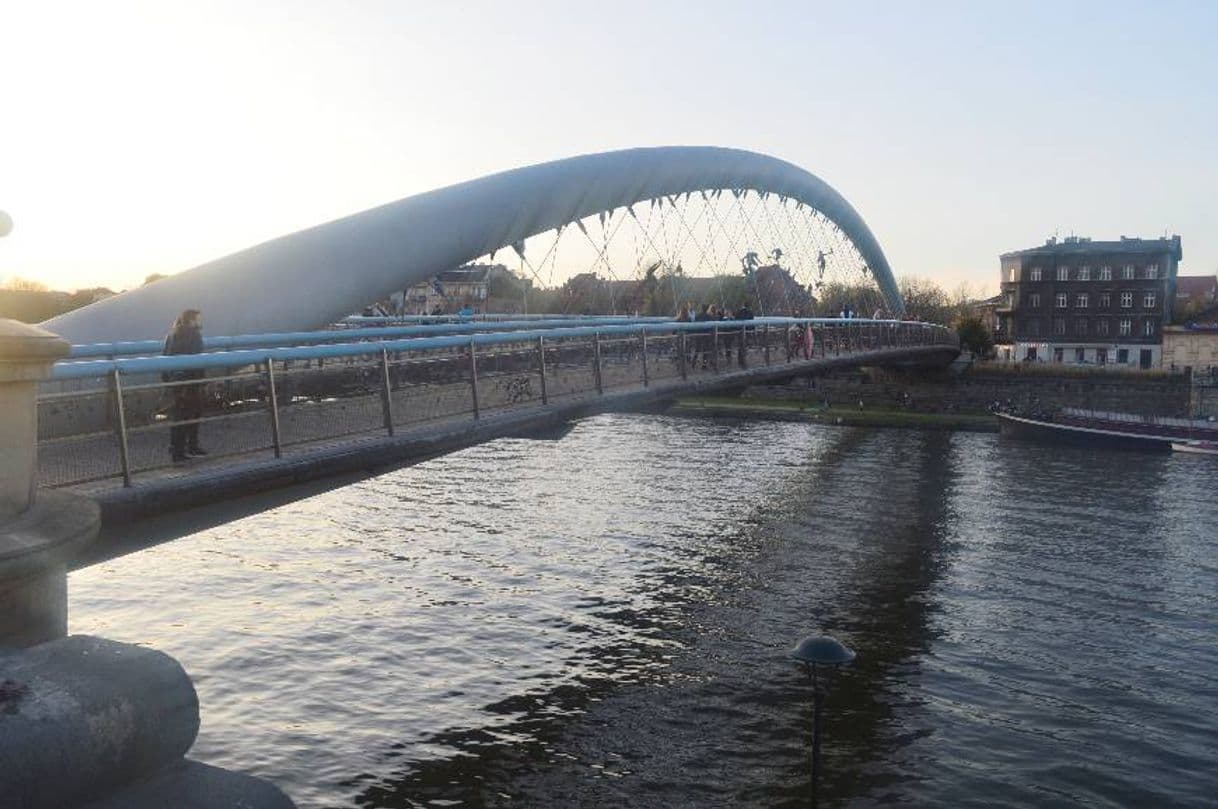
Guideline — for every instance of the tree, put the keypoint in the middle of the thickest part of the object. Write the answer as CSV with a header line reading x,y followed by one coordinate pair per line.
x,y
778,293
156,276
19,284
974,335
926,301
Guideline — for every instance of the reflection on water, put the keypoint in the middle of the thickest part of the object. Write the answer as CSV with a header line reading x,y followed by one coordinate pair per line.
x,y
604,620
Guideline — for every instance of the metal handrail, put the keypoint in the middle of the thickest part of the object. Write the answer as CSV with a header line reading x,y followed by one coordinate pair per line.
x,y
84,369
298,338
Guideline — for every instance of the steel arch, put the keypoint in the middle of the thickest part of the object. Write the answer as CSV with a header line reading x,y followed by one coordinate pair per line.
x,y
307,279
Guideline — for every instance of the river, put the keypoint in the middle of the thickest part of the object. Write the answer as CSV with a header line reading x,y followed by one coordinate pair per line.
x,y
605,620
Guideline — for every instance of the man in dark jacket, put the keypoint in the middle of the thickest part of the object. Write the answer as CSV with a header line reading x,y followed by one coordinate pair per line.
x,y
186,337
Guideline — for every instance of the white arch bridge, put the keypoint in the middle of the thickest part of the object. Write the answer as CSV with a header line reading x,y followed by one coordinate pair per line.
x,y
759,228
280,408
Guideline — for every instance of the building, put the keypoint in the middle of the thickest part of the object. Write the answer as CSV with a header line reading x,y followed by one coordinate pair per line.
x,y
987,312
1088,302
1193,345
467,286
1194,294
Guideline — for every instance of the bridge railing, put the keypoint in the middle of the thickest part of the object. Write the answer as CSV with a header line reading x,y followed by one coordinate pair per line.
x,y
434,327
263,403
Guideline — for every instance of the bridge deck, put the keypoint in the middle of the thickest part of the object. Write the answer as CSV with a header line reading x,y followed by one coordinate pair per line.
x,y
244,463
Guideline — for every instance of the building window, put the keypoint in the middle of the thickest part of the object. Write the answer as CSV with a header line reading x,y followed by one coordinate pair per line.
x,y
1034,300
1122,356
1063,274
1080,355
1148,300
1105,300
1059,326
1080,301
1101,356
1127,272
1126,326
1126,300
1011,274
1061,299
1105,273
1148,328
1101,326
1084,273
1080,327
1152,271
1036,273
1058,355
1033,327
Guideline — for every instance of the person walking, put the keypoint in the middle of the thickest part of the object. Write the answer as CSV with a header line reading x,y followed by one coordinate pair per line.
x,y
185,337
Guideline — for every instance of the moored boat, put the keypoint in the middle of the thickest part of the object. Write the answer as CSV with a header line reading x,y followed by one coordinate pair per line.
x,y
1054,432
1198,447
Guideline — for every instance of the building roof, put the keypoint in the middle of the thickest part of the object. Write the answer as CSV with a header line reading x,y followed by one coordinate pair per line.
x,y
1081,245
468,274
1196,286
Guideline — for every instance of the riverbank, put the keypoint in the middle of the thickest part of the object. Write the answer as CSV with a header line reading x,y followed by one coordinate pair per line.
x,y
788,410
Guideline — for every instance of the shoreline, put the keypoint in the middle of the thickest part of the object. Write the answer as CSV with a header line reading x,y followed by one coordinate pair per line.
x,y
786,410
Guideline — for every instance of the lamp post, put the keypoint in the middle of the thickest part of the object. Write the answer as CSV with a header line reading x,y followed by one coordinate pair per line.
x,y
820,656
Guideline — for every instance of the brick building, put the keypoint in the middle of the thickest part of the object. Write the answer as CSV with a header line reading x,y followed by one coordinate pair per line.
x,y
1088,302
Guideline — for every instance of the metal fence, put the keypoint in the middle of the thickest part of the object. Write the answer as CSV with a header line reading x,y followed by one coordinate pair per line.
x,y
114,418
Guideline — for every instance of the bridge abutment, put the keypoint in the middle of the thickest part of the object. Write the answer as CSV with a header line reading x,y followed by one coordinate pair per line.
x,y
38,536
84,722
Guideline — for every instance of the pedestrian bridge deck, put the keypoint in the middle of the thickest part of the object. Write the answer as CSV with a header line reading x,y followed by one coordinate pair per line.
x,y
286,420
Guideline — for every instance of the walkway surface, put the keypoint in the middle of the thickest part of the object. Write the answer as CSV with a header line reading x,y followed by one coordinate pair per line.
x,y
321,437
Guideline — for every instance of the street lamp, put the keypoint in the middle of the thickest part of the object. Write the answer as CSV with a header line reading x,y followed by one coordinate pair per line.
x,y
820,656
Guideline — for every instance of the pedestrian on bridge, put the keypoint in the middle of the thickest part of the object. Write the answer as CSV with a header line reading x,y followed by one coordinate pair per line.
x,y
185,337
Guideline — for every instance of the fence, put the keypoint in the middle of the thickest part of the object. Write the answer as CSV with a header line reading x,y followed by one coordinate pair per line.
x,y
268,402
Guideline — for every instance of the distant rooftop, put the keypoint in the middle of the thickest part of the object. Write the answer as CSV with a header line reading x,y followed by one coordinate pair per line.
x,y
1083,245
1199,286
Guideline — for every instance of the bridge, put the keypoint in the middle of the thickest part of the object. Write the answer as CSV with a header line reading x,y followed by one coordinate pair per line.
x,y
291,400
642,232
290,414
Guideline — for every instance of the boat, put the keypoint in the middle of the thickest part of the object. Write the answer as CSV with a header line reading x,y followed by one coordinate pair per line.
x,y
1111,430
1198,447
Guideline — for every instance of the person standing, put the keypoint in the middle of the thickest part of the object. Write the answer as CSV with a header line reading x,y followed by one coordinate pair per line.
x,y
185,337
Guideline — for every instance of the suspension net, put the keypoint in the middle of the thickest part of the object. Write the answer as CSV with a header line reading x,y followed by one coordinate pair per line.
x,y
730,248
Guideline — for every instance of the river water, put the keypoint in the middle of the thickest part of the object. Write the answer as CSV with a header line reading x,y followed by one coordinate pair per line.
x,y
605,620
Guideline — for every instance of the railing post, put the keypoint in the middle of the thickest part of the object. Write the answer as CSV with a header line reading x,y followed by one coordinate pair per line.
x,y
715,348
643,345
681,350
765,340
273,403
596,359
124,457
541,363
473,378
386,391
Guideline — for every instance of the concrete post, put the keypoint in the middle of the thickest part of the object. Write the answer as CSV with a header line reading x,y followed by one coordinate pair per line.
x,y
37,536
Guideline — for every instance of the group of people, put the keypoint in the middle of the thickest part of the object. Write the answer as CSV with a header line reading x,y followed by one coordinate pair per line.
x,y
692,313
702,347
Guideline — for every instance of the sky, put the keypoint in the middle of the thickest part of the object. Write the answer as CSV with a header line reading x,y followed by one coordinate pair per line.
x,y
151,137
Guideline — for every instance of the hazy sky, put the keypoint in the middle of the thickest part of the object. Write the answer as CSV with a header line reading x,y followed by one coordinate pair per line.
x,y
150,137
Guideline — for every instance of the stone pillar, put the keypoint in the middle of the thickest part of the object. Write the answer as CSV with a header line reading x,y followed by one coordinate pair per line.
x,y
38,535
